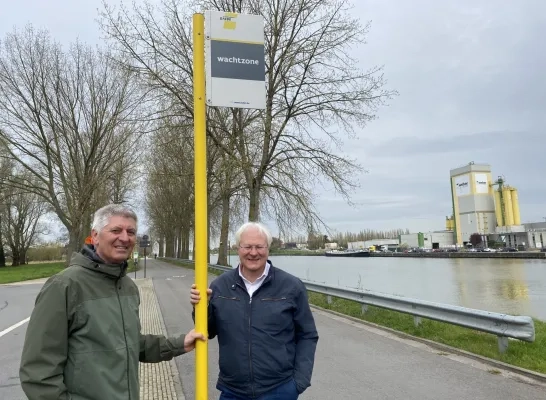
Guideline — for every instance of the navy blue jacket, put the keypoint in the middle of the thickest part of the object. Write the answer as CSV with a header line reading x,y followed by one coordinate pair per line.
x,y
264,341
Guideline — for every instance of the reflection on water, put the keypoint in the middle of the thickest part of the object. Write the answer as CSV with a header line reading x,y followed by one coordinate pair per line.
x,y
514,290
509,286
492,285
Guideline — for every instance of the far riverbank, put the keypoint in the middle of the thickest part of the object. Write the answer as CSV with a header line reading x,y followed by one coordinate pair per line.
x,y
531,255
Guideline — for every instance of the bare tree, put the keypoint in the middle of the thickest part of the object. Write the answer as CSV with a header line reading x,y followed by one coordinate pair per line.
x,y
315,89
68,118
316,93
6,169
169,193
21,220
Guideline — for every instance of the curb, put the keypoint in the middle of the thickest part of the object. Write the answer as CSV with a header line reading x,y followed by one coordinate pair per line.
x,y
440,346
174,368
26,282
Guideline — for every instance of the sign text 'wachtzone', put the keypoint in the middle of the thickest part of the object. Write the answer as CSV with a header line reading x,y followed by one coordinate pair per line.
x,y
235,61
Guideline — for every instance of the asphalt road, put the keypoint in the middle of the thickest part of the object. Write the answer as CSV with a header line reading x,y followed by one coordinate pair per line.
x,y
16,304
353,361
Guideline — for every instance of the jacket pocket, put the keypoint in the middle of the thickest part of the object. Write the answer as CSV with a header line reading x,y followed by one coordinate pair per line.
x,y
275,311
228,298
227,308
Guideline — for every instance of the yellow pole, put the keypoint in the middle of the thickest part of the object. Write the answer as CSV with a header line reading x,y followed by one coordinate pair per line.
x,y
200,176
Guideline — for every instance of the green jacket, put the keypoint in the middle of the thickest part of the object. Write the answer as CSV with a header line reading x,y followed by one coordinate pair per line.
x,y
83,340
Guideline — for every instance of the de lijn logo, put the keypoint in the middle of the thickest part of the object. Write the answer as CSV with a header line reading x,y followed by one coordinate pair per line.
x,y
229,21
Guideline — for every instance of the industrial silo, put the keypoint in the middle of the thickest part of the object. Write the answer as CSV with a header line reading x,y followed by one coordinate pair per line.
x,y
515,206
498,208
507,203
447,224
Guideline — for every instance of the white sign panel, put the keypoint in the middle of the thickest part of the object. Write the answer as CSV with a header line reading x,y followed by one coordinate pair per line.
x,y
482,184
462,185
234,60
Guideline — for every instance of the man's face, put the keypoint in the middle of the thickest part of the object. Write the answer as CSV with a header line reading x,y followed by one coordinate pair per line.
x,y
255,257
115,242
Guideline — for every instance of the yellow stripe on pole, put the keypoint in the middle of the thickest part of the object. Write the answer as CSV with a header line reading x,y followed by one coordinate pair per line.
x,y
200,172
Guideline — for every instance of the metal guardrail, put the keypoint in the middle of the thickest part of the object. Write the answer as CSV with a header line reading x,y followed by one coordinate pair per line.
x,y
503,325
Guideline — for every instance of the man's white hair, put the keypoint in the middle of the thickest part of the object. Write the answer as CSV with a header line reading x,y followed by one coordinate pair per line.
x,y
102,215
253,225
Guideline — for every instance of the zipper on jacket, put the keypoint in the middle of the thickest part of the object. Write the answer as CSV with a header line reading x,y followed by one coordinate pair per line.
x,y
274,299
125,337
249,338
250,344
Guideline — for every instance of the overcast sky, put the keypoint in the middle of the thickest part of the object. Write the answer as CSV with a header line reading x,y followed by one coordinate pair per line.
x,y
472,81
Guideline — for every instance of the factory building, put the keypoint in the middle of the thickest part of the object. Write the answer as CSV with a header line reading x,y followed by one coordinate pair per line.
x,y
428,240
377,243
485,206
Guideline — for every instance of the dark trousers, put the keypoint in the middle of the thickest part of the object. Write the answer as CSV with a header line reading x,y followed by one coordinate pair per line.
x,y
286,391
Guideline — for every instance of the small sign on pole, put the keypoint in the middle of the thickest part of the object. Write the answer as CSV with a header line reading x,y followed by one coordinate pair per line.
x,y
144,243
235,60
135,260
228,71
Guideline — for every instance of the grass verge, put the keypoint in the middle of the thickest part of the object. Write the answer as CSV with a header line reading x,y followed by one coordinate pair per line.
x,y
530,356
29,271
37,271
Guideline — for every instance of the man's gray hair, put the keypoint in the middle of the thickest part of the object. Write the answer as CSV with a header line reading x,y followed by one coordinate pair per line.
x,y
253,225
102,215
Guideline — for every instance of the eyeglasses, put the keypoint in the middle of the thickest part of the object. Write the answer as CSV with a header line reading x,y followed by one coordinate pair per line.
x,y
249,248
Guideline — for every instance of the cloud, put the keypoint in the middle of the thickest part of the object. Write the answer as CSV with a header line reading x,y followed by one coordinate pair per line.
x,y
470,78
470,74
66,20
409,181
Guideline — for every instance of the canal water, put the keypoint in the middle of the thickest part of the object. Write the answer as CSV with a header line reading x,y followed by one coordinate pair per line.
x,y
510,286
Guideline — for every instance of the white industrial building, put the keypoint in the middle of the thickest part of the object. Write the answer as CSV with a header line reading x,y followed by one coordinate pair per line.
x,y
357,245
429,240
530,235
366,244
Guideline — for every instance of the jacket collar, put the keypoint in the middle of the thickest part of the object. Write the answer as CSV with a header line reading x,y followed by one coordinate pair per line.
x,y
236,277
89,259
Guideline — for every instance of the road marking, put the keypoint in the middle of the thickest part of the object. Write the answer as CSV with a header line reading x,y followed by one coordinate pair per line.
x,y
17,325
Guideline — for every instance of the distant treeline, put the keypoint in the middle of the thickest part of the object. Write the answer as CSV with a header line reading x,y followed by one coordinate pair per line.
x,y
316,241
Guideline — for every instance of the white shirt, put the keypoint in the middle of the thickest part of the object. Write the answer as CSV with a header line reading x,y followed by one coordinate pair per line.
x,y
251,287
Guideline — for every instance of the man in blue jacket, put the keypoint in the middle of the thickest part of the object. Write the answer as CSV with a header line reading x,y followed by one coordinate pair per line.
x,y
266,331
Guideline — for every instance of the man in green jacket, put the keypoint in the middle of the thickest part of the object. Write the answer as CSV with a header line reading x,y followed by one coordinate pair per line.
x,y
83,340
